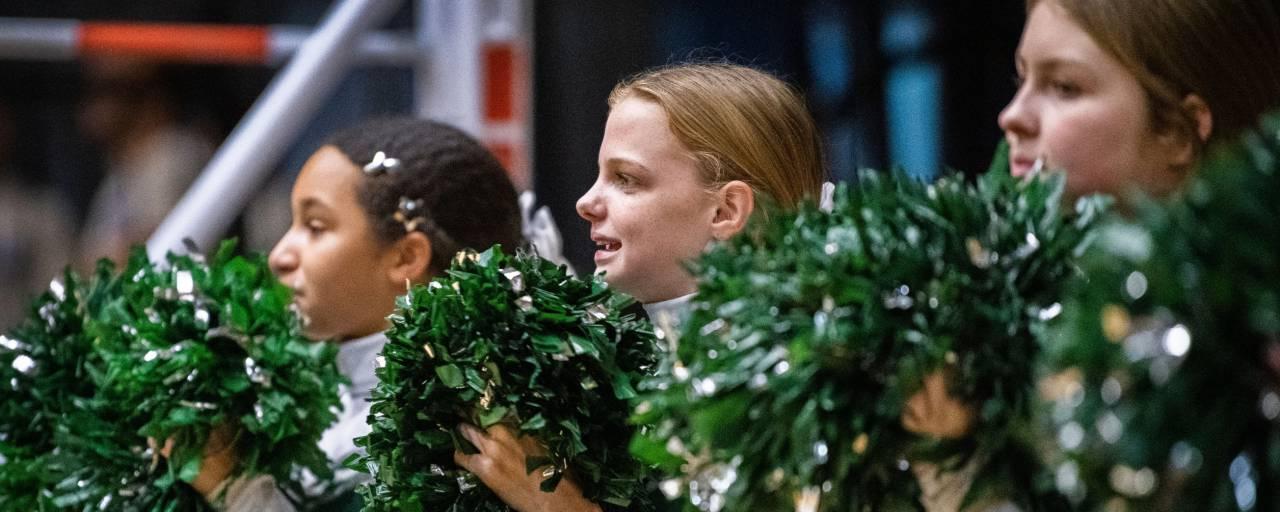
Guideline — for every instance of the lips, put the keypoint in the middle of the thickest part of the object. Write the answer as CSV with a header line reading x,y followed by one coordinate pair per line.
x,y
1020,165
296,286
300,308
606,247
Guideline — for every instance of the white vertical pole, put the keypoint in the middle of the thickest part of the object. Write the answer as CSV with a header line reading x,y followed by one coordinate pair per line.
x,y
422,65
527,28
449,83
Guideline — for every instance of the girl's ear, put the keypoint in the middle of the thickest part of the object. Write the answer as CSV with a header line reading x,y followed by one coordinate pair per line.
x,y
1199,110
735,201
1185,147
410,259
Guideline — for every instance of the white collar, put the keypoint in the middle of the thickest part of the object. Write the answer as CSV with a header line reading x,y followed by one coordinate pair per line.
x,y
355,361
669,314
676,306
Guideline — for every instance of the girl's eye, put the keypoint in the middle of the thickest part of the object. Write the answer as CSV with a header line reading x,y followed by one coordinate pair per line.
x,y
1064,88
315,227
623,180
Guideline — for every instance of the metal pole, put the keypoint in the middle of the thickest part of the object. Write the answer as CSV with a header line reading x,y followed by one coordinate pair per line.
x,y
451,31
38,39
374,48
65,40
256,144
422,66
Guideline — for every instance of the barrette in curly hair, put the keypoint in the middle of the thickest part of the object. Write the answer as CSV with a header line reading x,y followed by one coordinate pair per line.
x,y
380,164
410,214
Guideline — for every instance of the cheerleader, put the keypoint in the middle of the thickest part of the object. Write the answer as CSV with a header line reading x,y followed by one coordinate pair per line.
x,y
689,153
1124,96
379,206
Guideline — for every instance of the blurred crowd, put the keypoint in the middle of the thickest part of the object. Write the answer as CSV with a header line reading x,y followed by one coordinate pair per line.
x,y
150,154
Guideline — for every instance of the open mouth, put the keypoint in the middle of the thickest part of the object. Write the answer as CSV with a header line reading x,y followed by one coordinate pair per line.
x,y
606,248
1023,166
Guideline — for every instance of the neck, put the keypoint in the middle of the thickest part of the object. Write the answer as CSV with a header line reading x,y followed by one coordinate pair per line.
x,y
372,326
682,289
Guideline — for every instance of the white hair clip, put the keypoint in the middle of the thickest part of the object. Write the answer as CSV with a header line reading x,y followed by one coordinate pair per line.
x,y
380,164
409,214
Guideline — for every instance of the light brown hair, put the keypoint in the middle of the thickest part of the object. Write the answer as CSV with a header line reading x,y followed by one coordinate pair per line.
x,y
1227,52
740,124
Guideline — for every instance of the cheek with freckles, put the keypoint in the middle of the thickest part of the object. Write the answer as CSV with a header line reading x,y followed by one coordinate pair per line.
x,y
659,235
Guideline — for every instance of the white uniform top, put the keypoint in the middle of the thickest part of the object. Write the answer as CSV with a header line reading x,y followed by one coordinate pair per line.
x,y
257,493
669,314
356,363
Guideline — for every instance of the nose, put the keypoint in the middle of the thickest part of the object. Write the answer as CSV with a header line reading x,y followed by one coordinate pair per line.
x,y
591,205
283,258
1018,119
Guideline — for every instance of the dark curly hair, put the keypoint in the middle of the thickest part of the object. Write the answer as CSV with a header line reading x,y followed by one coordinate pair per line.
x,y
468,200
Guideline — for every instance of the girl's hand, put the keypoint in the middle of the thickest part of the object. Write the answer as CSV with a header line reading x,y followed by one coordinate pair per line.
x,y
215,466
933,411
501,466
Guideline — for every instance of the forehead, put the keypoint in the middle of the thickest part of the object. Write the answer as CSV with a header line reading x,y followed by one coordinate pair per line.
x,y
329,179
1051,33
638,130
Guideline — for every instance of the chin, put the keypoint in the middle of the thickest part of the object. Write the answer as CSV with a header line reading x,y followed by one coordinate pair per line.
x,y
315,336
620,281
315,332
615,279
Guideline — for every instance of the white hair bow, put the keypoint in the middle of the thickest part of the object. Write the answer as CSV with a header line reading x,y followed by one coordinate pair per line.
x,y
541,232
827,201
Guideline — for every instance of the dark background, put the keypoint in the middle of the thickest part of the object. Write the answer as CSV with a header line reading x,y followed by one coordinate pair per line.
x,y
891,82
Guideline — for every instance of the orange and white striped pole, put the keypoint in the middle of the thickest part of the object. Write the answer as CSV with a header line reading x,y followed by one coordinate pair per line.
x,y
64,39
508,90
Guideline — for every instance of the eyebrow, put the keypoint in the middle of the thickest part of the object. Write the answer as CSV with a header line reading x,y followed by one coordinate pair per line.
x,y
1051,63
626,163
311,203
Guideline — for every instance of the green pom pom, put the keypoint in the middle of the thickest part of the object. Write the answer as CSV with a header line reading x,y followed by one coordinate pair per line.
x,y
809,332
169,351
509,340
1165,373
194,345
46,367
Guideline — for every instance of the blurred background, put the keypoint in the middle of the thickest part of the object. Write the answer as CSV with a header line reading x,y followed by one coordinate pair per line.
x,y
98,144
